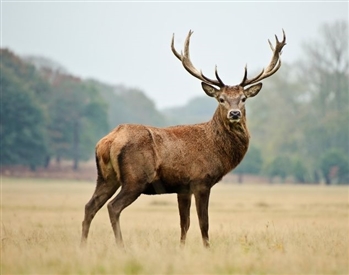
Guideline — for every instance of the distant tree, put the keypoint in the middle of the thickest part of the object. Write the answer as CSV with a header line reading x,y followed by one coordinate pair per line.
x,y
138,108
274,115
279,167
23,135
334,167
299,171
304,108
127,105
47,113
325,71
251,164
325,67
78,117
26,73
198,109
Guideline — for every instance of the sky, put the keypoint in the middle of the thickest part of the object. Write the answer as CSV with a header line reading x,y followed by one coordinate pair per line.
x,y
128,43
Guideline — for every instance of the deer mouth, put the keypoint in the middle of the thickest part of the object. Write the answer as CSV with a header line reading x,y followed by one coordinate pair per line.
x,y
234,120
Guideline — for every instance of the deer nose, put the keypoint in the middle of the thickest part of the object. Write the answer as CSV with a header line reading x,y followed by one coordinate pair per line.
x,y
235,114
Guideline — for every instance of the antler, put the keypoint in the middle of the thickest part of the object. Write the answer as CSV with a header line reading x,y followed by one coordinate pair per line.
x,y
273,66
185,59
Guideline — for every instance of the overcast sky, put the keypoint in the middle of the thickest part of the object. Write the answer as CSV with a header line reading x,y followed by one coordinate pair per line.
x,y
129,42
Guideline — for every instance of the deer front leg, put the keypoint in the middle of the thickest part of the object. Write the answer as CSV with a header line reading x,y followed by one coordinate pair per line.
x,y
184,202
201,200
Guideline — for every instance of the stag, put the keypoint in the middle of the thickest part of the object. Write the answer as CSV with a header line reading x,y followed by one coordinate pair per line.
x,y
186,160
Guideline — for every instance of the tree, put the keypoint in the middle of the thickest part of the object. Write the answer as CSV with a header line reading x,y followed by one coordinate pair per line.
x,y
47,113
274,118
78,117
127,105
325,67
334,167
279,167
198,109
23,120
324,70
251,164
303,110
299,171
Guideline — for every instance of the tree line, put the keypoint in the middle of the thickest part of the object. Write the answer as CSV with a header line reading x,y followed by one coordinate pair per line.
x,y
299,122
47,113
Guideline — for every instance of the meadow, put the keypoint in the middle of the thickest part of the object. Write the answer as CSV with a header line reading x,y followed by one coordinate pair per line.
x,y
254,229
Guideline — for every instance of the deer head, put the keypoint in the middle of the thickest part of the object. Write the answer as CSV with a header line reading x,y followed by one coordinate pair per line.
x,y
231,99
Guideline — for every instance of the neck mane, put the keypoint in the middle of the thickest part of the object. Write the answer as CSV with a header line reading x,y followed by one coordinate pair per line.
x,y
220,121
233,137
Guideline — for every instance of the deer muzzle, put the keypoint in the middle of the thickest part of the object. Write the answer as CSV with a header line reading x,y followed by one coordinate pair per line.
x,y
234,115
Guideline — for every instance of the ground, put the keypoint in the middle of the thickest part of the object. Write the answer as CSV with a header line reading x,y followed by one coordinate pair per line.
x,y
254,229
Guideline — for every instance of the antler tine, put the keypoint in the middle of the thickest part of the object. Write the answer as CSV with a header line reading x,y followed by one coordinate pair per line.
x,y
179,56
217,76
185,59
274,65
221,84
250,81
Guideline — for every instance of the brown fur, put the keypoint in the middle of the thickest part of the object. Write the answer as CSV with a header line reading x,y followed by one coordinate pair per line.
x,y
186,160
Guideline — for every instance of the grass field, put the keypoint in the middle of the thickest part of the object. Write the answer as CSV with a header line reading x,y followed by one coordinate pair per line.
x,y
254,229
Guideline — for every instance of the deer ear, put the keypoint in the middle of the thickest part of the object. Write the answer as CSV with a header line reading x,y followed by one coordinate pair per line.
x,y
253,90
209,90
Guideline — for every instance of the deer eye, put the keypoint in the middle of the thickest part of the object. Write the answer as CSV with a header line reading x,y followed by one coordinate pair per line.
x,y
221,100
243,99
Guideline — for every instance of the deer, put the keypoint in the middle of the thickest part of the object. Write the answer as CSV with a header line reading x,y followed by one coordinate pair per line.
x,y
187,160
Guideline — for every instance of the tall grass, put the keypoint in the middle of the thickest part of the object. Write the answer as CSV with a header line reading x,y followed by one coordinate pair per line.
x,y
254,229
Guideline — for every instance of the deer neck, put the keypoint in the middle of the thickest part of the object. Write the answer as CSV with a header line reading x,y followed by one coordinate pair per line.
x,y
232,138
225,127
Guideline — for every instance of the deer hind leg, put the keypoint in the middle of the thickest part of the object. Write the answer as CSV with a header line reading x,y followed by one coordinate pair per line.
x,y
201,201
184,202
104,190
125,197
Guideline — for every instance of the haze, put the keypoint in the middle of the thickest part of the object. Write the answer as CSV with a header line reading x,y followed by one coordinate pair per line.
x,y
129,42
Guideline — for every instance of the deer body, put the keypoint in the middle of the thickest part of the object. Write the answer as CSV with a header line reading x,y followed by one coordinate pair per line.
x,y
187,160
174,159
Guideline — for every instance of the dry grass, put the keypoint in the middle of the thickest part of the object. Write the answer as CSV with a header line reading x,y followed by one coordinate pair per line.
x,y
254,229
